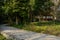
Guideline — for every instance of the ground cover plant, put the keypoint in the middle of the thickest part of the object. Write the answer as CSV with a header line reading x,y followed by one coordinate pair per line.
x,y
49,27
2,37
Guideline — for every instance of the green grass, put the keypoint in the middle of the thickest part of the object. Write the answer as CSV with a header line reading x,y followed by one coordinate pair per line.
x,y
50,27
2,37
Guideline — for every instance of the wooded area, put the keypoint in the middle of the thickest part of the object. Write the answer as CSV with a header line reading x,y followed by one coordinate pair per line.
x,y
32,15
26,11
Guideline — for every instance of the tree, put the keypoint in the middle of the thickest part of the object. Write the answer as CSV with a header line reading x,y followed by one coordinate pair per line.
x,y
15,8
43,7
24,11
1,11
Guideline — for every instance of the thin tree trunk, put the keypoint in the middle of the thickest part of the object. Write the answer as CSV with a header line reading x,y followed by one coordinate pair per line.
x,y
16,20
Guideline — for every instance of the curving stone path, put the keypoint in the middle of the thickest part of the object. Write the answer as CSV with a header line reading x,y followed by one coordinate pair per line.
x,y
17,34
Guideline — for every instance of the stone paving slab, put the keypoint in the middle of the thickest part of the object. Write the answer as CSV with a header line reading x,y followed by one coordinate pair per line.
x,y
18,34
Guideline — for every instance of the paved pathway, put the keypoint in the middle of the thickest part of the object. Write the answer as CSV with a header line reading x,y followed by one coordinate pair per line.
x,y
17,34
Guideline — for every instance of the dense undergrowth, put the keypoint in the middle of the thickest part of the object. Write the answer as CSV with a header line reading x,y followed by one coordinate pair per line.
x,y
51,27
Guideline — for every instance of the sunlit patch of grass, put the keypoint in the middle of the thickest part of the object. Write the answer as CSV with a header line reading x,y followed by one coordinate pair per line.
x,y
54,30
2,37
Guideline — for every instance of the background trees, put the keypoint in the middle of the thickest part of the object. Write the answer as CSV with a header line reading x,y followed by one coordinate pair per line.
x,y
43,7
24,11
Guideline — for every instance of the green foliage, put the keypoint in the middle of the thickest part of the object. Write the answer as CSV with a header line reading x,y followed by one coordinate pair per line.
x,y
2,38
22,12
43,6
18,11
46,28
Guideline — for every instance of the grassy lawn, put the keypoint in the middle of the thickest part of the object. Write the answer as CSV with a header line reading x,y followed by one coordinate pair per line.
x,y
50,27
2,38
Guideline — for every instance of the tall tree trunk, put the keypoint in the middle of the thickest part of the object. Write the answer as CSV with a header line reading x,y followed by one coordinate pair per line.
x,y
39,17
16,20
